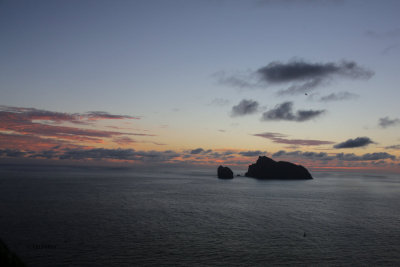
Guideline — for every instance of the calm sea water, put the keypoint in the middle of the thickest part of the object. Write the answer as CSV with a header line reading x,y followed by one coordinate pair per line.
x,y
191,218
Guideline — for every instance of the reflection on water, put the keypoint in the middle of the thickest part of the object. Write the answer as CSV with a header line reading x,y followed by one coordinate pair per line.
x,y
122,218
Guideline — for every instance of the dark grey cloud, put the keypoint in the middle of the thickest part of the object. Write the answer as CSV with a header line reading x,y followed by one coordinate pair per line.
x,y
282,139
196,151
278,72
252,153
338,97
245,107
302,76
387,122
222,155
102,115
12,153
340,156
357,142
306,155
99,153
46,154
365,157
284,111
200,151
118,154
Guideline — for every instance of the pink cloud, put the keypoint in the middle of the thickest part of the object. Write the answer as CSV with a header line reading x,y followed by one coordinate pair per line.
x,y
281,139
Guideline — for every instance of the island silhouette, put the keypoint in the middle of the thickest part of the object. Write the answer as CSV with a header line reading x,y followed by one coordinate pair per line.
x,y
267,168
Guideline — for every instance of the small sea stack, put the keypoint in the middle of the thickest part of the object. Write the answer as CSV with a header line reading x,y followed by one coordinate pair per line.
x,y
224,172
267,168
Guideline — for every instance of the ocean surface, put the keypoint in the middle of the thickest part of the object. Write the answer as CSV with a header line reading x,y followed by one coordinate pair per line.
x,y
106,217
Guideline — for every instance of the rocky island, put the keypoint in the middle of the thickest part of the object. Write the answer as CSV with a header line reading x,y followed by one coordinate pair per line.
x,y
224,173
266,168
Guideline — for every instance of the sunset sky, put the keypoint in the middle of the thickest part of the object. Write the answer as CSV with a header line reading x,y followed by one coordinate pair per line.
x,y
201,82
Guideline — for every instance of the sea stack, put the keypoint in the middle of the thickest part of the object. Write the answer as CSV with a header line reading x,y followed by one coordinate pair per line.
x,y
224,173
266,168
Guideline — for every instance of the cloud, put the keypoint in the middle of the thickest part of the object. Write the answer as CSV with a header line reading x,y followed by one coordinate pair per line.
x,y
338,97
23,142
219,102
357,142
390,49
281,139
200,151
394,33
365,157
245,107
307,155
387,122
123,140
252,153
301,88
30,123
196,151
101,115
117,154
46,154
303,76
393,147
284,111
246,79
340,156
33,114
277,72
13,153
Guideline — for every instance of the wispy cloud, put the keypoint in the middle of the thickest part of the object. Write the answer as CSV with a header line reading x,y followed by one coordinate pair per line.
x,y
123,140
395,147
33,114
282,139
340,156
24,142
390,34
219,102
284,111
353,143
32,127
365,157
387,122
338,97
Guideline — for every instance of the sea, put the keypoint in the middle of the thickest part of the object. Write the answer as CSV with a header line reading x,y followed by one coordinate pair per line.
x,y
189,217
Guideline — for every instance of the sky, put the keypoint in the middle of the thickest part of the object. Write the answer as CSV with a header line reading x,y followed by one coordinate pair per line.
x,y
206,82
